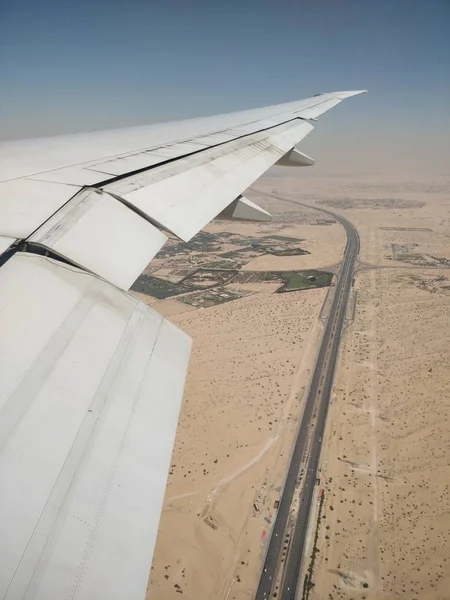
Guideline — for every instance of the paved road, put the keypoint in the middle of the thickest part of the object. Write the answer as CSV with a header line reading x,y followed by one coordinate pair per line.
x,y
313,423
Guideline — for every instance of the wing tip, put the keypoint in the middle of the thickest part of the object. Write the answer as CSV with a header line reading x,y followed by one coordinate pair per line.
x,y
350,93
343,94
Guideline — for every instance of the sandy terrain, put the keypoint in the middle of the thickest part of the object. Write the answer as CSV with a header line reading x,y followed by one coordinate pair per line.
x,y
325,243
326,246
245,385
385,462
387,445
250,366
400,201
385,467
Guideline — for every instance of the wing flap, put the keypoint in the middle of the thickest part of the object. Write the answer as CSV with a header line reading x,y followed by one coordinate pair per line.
x,y
111,232
102,235
92,388
185,195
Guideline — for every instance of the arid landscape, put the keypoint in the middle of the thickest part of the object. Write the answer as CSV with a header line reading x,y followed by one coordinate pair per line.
x,y
385,474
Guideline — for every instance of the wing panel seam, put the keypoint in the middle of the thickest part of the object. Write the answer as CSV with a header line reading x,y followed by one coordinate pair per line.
x,y
188,154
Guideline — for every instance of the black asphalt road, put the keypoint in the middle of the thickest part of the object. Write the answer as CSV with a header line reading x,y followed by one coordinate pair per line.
x,y
313,423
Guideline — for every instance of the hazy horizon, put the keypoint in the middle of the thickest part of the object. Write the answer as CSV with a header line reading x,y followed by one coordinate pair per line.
x,y
69,66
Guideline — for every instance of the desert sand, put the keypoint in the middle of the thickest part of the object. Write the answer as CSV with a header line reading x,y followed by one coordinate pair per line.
x,y
385,468
249,369
241,405
387,446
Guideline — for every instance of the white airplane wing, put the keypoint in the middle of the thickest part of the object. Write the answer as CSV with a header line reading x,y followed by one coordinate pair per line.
x,y
91,379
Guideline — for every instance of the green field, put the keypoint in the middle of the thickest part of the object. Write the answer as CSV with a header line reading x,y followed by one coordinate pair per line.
x,y
247,241
212,297
282,238
290,252
158,288
303,280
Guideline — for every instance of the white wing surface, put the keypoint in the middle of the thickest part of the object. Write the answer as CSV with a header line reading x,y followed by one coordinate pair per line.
x,y
91,379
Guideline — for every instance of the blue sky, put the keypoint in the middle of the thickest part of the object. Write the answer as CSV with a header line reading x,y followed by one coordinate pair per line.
x,y
90,64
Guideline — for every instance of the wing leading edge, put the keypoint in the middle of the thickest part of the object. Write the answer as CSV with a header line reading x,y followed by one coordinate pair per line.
x,y
91,379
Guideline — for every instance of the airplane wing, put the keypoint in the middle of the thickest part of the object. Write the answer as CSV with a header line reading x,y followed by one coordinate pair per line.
x,y
91,379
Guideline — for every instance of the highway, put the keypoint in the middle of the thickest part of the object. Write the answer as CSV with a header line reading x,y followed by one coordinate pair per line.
x,y
287,542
